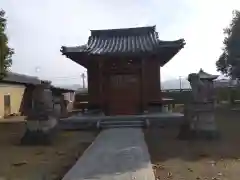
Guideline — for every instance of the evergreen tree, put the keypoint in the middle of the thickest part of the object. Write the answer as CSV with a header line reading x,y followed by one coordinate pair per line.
x,y
229,61
5,51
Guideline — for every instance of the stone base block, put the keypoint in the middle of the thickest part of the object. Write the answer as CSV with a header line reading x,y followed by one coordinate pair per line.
x,y
39,132
208,135
36,138
186,133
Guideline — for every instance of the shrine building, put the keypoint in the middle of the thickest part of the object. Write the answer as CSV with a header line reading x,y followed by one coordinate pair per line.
x,y
123,67
206,76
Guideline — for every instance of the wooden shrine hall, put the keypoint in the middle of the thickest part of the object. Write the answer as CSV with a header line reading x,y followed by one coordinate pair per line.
x,y
123,67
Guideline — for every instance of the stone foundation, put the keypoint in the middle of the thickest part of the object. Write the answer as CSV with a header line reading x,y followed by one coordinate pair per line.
x,y
40,132
186,133
200,123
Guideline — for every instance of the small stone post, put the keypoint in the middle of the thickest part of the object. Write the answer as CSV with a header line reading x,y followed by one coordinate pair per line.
x,y
199,113
41,122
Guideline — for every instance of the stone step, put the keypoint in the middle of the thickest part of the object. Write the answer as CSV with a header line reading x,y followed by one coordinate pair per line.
x,y
122,124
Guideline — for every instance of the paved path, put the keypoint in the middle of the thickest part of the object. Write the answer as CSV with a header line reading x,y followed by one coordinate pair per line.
x,y
116,154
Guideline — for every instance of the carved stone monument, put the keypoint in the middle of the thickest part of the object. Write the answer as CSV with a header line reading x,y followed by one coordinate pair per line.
x,y
41,121
199,113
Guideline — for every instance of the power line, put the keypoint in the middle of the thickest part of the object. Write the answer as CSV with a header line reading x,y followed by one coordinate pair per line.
x,y
66,77
72,76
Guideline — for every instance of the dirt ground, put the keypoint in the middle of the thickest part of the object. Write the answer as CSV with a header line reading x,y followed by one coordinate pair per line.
x,y
171,158
39,162
200,160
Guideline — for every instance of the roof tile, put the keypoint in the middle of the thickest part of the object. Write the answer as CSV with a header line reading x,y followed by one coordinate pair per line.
x,y
124,41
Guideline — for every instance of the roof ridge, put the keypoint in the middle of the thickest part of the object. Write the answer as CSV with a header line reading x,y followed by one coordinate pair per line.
x,y
10,73
124,31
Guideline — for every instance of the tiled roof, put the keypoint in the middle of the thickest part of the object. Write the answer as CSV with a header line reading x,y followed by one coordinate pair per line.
x,y
62,89
21,79
204,75
129,41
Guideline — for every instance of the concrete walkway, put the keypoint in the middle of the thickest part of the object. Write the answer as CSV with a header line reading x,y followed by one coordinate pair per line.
x,y
119,154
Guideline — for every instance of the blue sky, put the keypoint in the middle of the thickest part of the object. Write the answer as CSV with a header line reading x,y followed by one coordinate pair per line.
x,y
37,30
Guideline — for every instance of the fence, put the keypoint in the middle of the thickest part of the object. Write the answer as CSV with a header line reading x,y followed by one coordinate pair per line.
x,y
222,94
181,96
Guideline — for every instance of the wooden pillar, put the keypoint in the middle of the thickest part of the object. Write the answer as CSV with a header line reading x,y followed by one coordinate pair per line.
x,y
93,82
100,75
143,86
159,83
104,80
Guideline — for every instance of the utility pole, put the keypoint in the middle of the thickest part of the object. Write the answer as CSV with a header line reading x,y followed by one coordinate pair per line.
x,y
83,76
180,82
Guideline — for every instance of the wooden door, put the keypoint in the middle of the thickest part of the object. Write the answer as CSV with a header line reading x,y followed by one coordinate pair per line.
x,y
124,94
7,105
